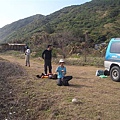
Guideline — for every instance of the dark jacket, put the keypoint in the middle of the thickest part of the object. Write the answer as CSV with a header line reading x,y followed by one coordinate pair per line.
x,y
47,54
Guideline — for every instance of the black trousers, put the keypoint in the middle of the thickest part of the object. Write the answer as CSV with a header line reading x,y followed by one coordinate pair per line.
x,y
47,65
64,81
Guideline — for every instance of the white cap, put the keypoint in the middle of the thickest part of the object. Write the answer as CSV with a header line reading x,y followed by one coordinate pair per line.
x,y
61,61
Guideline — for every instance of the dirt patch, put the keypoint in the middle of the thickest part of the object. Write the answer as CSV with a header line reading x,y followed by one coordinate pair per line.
x,y
9,69
8,72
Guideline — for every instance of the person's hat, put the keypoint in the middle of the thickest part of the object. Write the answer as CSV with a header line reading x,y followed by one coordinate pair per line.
x,y
61,61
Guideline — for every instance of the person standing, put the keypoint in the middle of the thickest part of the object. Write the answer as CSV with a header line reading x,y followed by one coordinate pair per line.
x,y
47,56
27,56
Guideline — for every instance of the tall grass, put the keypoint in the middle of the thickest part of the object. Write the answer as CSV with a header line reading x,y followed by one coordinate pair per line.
x,y
91,61
72,60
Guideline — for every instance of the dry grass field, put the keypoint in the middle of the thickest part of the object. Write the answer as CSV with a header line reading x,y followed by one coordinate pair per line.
x,y
23,96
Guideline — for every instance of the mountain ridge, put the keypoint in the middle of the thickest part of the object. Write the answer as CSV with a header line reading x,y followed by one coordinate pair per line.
x,y
99,17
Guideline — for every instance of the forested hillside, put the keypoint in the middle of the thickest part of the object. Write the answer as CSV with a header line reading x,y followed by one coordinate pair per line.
x,y
7,31
99,18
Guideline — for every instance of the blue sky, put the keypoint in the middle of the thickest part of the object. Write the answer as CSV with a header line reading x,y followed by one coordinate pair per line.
x,y
13,10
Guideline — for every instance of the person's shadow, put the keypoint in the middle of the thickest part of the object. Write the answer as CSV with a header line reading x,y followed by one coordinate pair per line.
x,y
78,86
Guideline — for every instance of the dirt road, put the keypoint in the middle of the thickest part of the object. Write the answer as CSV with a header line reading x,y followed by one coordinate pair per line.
x,y
37,67
42,99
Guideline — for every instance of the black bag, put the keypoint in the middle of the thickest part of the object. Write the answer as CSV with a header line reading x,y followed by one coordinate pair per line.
x,y
54,76
67,78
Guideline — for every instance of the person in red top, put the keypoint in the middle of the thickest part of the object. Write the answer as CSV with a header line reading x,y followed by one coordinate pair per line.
x,y
47,56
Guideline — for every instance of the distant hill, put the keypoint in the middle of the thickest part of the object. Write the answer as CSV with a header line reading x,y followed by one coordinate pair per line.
x,y
7,31
100,18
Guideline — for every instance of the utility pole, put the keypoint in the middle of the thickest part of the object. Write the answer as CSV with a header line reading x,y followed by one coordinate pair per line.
x,y
86,45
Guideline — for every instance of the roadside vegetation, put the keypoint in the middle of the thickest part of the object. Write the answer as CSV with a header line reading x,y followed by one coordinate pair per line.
x,y
77,60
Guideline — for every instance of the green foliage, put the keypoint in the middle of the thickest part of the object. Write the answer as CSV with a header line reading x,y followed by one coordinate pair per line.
x,y
114,12
48,29
38,54
54,53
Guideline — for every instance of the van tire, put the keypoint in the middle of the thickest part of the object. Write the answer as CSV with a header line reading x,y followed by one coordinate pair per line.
x,y
107,73
115,73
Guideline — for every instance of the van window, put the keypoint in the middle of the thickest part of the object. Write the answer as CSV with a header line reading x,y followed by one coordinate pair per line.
x,y
115,47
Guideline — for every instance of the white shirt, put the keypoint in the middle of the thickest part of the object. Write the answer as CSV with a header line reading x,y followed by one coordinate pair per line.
x,y
27,52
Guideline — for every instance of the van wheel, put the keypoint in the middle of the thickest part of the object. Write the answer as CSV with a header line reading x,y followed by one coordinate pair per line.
x,y
115,74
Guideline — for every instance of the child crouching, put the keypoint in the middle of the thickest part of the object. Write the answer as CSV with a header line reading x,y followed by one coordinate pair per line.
x,y
61,72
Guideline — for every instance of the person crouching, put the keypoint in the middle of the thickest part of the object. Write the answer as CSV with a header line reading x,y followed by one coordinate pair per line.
x,y
61,72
